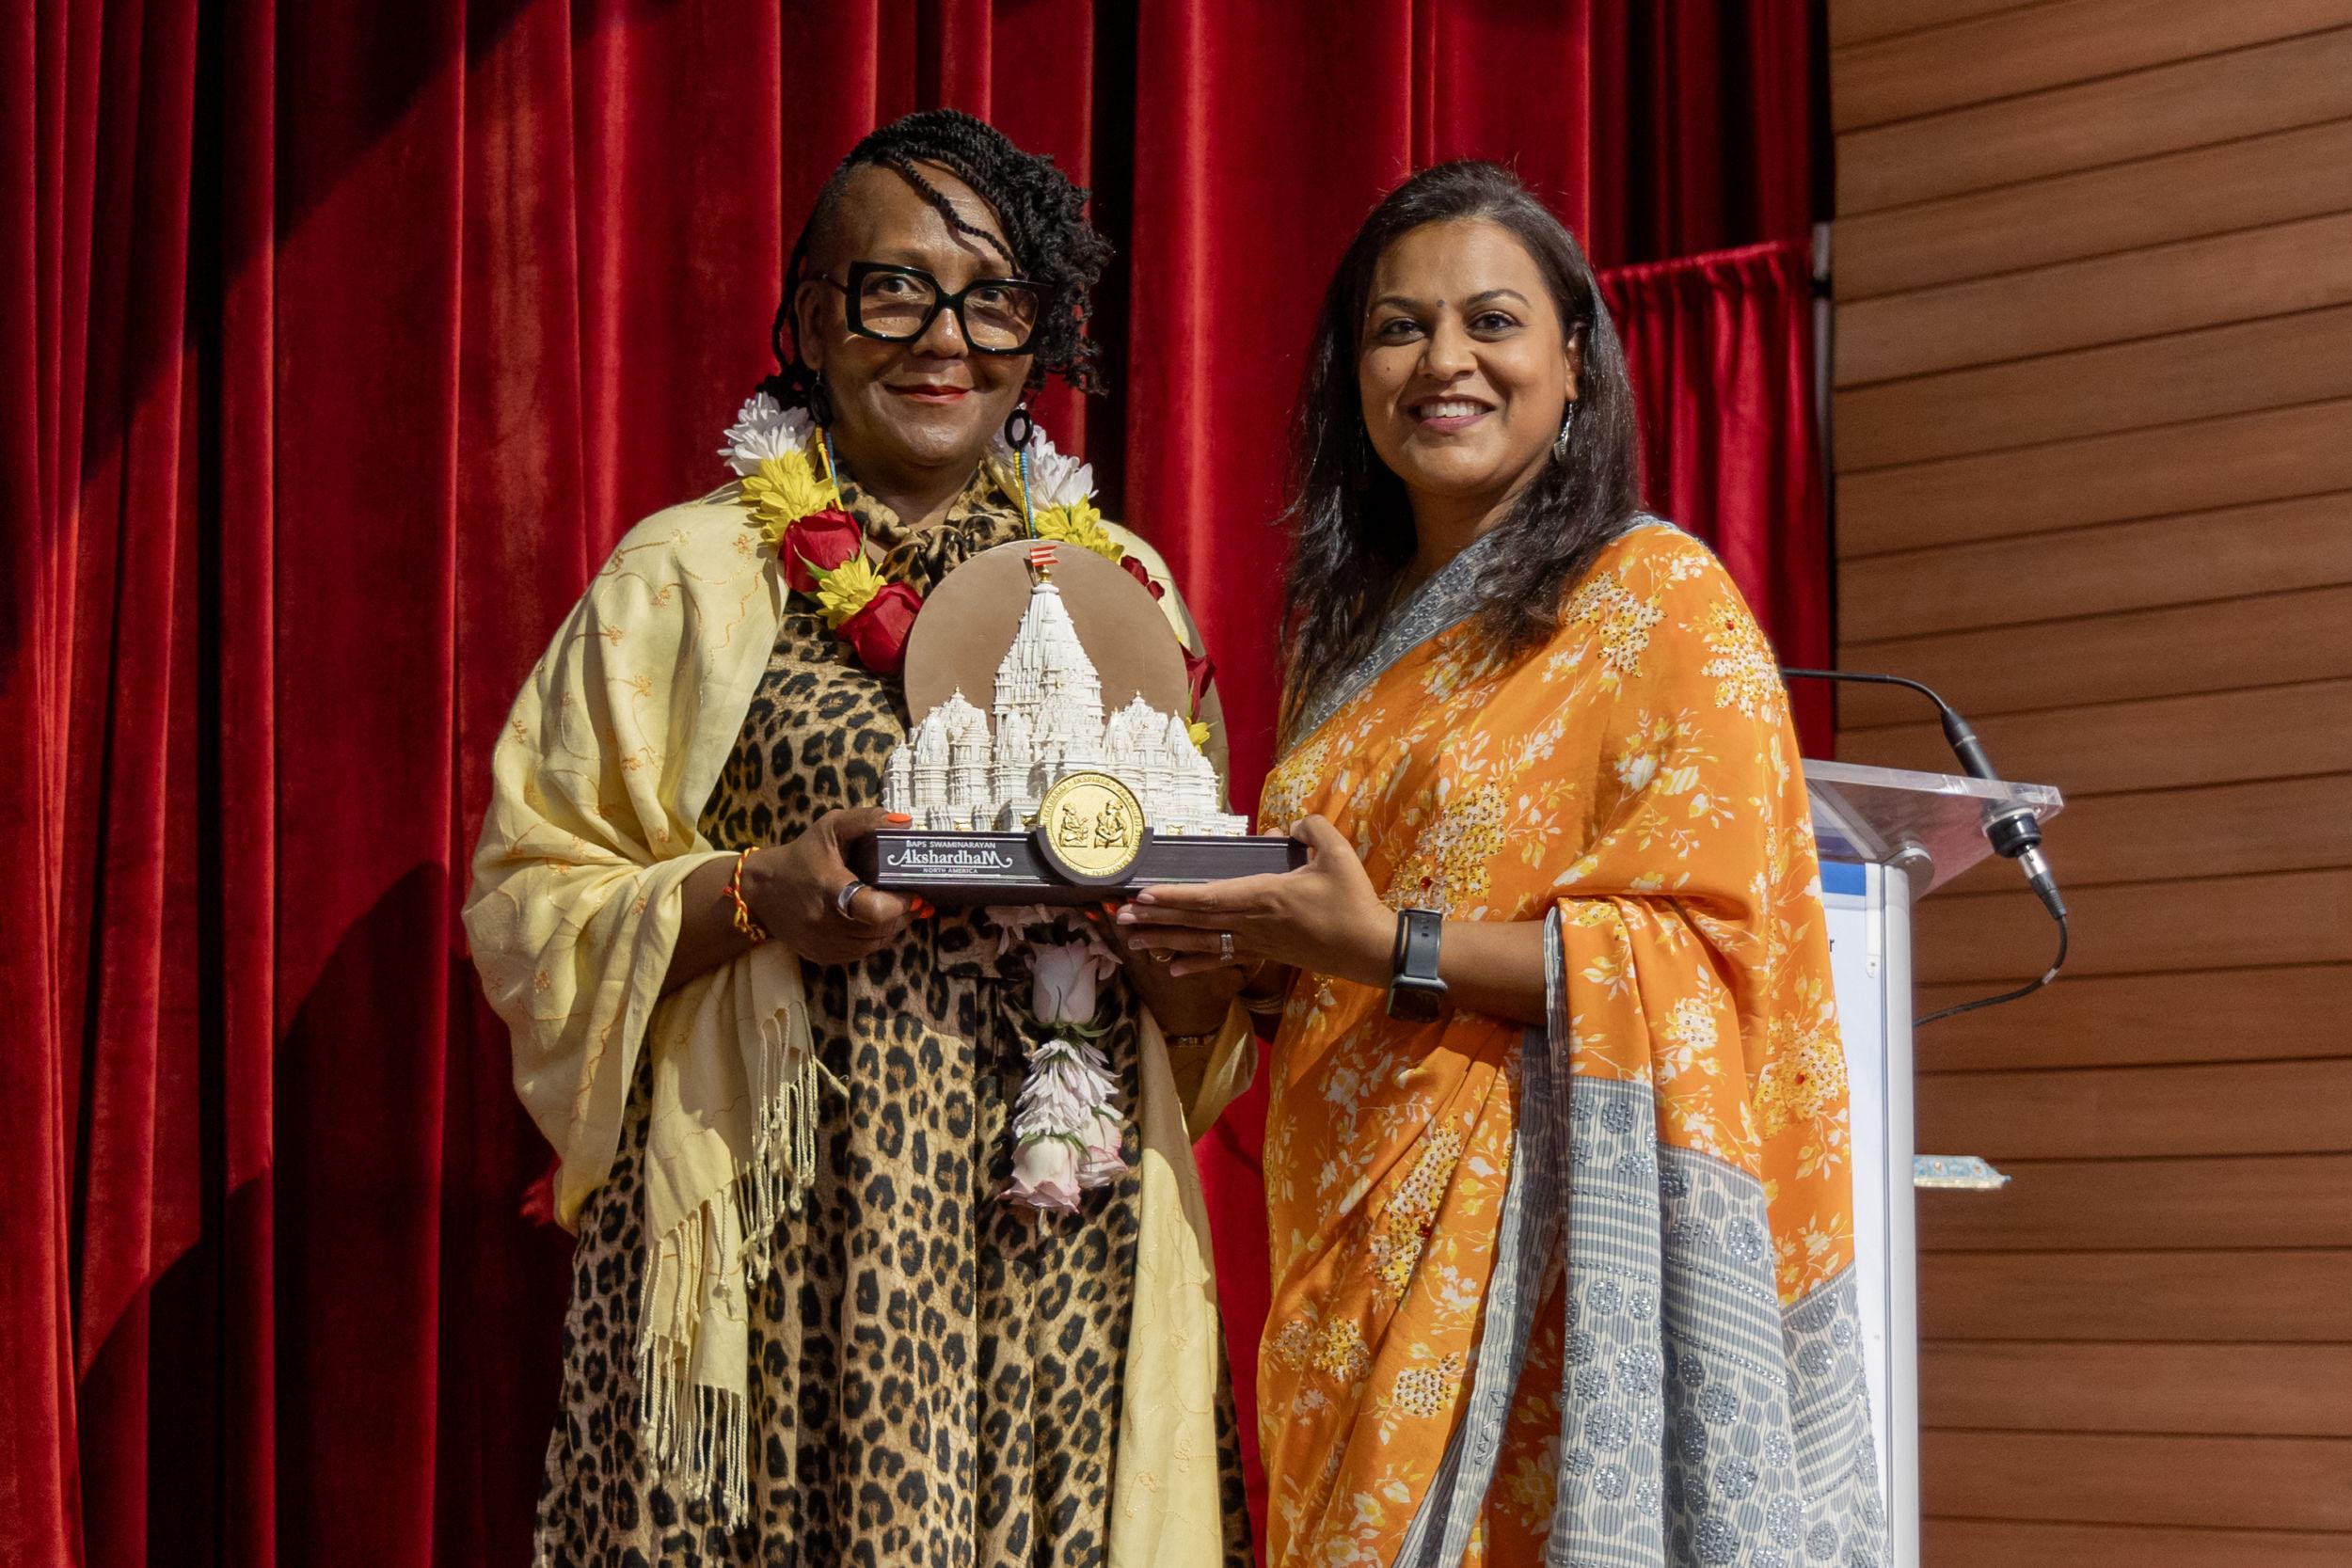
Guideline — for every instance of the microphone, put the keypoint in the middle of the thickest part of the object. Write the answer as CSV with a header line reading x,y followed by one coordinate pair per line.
x,y
2012,830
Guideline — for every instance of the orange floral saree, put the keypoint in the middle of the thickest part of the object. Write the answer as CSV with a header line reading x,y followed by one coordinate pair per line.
x,y
1585,1290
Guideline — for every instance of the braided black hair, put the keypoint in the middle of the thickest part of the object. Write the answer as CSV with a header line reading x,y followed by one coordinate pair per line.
x,y
1042,213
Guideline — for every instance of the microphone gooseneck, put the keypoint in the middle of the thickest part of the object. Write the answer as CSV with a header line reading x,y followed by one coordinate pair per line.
x,y
2012,830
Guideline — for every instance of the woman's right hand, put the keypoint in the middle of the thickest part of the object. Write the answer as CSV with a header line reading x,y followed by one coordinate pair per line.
x,y
792,887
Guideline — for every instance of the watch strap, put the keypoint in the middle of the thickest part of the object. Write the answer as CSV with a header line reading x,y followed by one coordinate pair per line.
x,y
1415,989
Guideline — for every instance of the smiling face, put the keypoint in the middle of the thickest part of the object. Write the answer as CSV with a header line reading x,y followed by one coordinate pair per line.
x,y
1463,368
907,409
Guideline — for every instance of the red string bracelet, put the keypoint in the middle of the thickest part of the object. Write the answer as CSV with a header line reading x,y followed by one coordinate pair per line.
x,y
745,922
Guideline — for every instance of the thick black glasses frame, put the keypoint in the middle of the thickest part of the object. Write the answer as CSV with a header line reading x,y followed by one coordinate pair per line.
x,y
941,300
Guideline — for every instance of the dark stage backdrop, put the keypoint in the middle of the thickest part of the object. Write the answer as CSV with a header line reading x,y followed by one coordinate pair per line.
x,y
339,342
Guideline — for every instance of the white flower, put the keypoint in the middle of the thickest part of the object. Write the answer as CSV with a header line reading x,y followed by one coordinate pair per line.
x,y
1104,1162
1045,1174
1014,922
1058,481
1054,480
1063,980
763,428
1066,1133
1066,1128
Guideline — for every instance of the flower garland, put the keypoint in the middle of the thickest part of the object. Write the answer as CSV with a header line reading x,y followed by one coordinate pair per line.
x,y
1066,1129
794,497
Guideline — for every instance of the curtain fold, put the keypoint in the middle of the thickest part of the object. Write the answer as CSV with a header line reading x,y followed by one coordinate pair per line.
x,y
341,342
1721,351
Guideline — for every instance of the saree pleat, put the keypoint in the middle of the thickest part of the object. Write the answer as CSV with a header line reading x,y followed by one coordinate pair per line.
x,y
1581,1293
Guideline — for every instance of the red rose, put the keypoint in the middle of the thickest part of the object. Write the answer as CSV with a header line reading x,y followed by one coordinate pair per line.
x,y
878,633
817,543
1199,669
1134,570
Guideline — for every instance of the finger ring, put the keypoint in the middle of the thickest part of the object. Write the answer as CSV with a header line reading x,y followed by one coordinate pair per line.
x,y
849,890
1225,947
1161,956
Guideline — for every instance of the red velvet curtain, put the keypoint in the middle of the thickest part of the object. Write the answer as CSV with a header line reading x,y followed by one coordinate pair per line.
x,y
1720,348
339,342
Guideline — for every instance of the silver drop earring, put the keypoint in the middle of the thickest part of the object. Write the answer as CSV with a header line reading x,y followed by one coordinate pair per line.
x,y
1560,442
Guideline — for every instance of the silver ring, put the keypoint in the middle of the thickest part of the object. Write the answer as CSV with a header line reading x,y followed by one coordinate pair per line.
x,y
849,890
1225,947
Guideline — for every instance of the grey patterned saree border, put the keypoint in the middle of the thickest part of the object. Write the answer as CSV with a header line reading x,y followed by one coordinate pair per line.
x,y
1446,599
1443,602
1702,1426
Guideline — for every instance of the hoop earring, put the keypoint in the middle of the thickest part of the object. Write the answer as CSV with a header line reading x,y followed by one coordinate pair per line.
x,y
1019,427
1567,422
820,402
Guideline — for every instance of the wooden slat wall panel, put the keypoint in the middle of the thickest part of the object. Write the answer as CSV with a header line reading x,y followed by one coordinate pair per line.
x,y
2096,1020
2247,1483
2112,1112
1860,21
2012,53
1970,1541
2137,293
2200,466
2268,547
2241,184
2200,1389
2285,1299
2159,743
2230,829
2270,640
2201,102
2302,917
2271,363
2092,449
2092,446
2272,1200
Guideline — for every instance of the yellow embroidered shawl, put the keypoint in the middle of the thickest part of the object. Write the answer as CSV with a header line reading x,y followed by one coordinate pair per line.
x,y
601,777
1678,1134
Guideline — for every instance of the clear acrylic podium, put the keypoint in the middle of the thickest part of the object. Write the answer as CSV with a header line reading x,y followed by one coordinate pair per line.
x,y
1888,838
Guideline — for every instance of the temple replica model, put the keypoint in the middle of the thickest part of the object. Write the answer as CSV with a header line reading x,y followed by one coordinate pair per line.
x,y
956,774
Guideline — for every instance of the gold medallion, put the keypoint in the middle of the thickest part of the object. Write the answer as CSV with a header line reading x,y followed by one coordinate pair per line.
x,y
1091,826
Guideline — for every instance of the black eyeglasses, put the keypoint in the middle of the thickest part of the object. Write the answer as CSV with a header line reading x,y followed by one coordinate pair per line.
x,y
998,315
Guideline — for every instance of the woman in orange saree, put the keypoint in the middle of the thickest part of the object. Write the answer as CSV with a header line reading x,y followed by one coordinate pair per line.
x,y
1562,1273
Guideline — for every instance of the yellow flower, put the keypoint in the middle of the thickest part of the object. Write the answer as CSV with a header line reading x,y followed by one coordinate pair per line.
x,y
1200,732
847,589
785,489
1078,523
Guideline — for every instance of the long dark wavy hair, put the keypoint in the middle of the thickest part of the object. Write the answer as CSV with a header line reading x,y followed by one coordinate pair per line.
x,y
1350,524
1042,213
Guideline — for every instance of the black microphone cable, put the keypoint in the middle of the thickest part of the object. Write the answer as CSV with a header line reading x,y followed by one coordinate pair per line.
x,y
2012,830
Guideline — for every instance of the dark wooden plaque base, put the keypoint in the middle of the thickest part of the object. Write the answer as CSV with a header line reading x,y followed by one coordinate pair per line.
x,y
1011,868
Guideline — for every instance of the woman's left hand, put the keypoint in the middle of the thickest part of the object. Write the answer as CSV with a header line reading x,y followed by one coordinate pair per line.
x,y
1190,1003
1326,917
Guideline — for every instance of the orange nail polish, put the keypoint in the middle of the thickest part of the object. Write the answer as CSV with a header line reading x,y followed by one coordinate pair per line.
x,y
897,816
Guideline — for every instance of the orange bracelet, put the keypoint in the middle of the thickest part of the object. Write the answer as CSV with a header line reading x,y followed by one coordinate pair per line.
x,y
745,922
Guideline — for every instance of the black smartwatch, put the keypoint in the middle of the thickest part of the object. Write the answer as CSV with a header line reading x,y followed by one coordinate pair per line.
x,y
1415,992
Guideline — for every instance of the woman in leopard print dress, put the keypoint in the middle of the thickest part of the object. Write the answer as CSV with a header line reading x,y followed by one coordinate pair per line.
x,y
934,1375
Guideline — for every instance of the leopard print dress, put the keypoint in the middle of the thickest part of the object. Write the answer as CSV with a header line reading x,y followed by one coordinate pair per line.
x,y
935,1374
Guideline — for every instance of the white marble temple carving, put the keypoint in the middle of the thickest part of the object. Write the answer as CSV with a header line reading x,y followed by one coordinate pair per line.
x,y
958,772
